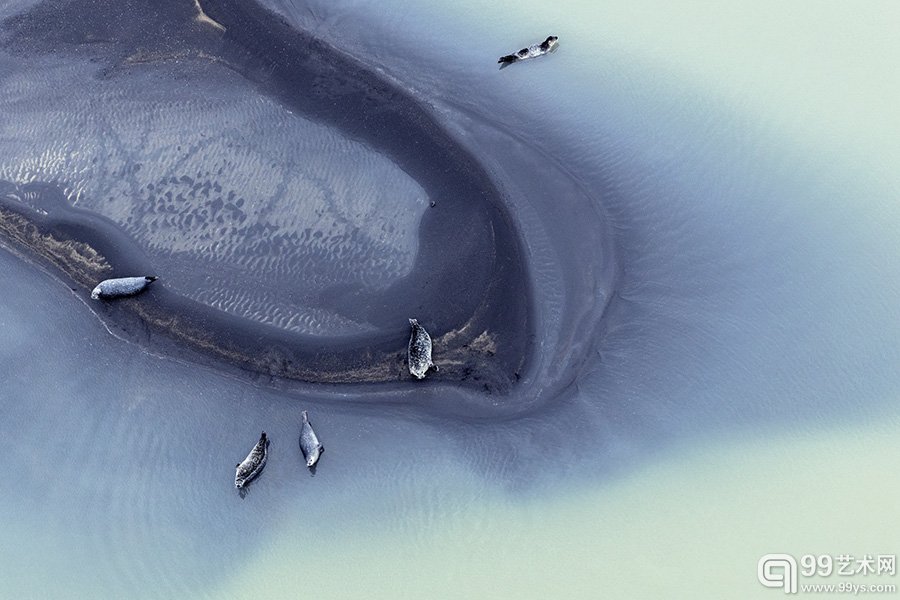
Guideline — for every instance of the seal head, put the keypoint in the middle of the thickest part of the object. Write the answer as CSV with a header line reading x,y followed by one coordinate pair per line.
x,y
310,445
550,44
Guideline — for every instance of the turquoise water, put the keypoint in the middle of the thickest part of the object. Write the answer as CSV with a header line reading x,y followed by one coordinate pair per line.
x,y
742,401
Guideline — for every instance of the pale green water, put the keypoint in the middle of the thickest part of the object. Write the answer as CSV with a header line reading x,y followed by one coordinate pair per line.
x,y
690,525
694,522
825,71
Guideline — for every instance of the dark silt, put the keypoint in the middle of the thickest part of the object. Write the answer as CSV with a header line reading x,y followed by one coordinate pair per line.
x,y
469,275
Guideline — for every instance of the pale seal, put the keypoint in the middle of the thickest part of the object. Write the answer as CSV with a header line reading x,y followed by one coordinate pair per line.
x,y
548,45
121,286
419,354
253,464
309,443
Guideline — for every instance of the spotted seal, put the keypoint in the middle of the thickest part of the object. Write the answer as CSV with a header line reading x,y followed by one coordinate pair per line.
x,y
548,45
253,464
121,286
419,354
309,443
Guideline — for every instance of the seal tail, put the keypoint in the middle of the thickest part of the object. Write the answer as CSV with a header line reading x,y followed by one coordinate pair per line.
x,y
305,416
151,278
508,59
263,437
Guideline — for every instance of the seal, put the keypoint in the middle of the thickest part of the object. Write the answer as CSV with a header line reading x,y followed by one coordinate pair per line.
x,y
419,353
309,443
121,287
548,45
253,464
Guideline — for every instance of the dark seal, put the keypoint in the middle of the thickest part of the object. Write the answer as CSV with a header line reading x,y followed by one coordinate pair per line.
x,y
548,45
253,465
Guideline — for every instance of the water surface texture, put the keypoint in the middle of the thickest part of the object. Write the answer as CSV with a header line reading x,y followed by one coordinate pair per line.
x,y
659,268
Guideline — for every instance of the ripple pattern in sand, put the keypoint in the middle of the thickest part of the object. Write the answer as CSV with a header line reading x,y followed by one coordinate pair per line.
x,y
240,203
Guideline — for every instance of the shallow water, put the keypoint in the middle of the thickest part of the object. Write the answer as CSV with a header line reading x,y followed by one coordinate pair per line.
x,y
709,236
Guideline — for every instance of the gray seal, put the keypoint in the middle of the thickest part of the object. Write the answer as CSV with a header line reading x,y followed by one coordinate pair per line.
x,y
253,464
309,443
121,287
535,50
419,354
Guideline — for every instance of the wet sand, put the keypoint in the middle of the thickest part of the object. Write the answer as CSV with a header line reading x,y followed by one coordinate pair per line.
x,y
468,284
